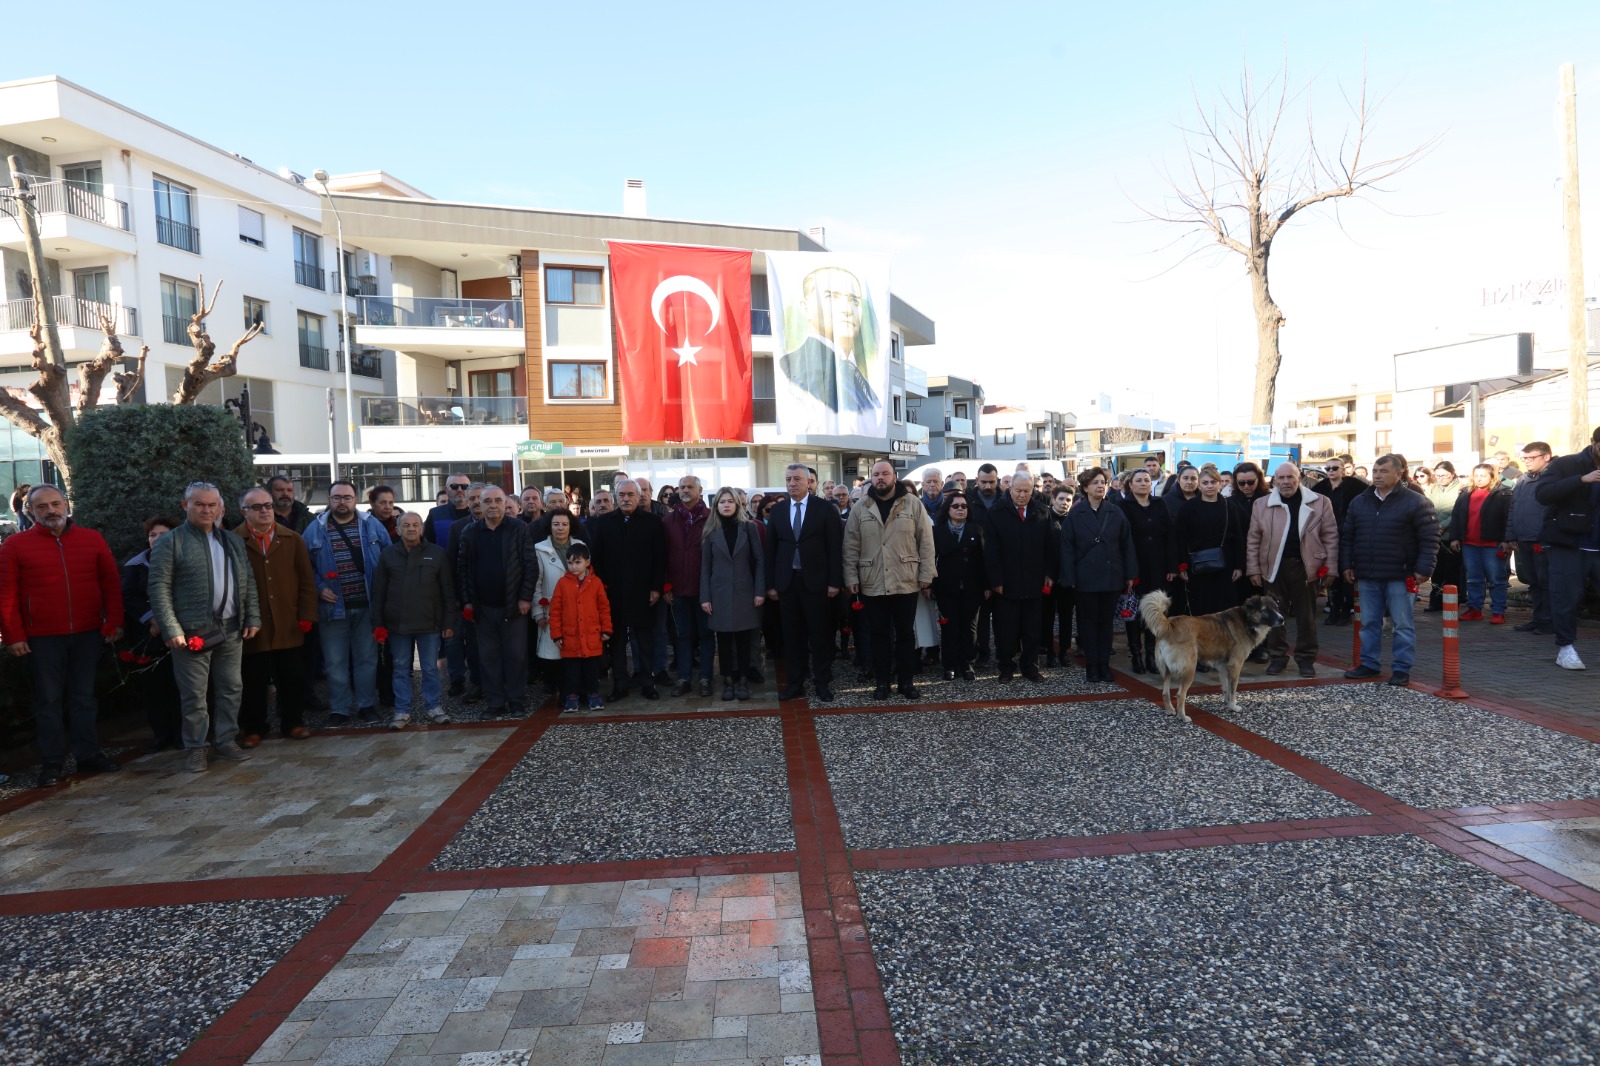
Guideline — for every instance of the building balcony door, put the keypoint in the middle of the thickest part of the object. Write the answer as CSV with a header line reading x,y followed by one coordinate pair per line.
x,y
492,383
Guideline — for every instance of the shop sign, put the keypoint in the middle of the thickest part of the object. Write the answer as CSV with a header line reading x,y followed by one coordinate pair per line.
x,y
539,447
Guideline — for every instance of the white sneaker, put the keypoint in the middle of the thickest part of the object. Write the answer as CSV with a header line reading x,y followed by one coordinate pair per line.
x,y
437,716
400,721
1567,658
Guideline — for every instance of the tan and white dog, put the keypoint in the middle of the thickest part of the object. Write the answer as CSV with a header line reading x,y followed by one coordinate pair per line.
x,y
1224,640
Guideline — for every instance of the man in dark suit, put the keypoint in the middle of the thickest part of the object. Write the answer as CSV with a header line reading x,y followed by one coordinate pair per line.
x,y
1022,557
805,571
630,557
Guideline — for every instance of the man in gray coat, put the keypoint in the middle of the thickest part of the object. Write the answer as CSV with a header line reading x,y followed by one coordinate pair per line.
x,y
203,598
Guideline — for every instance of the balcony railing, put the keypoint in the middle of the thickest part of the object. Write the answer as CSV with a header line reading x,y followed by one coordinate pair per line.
x,y
175,329
313,357
433,312
1317,421
444,411
960,427
175,234
760,322
309,275
70,311
357,286
364,363
69,198
916,379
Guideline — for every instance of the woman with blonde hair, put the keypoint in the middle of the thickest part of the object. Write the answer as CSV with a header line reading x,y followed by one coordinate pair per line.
x,y
732,568
1210,547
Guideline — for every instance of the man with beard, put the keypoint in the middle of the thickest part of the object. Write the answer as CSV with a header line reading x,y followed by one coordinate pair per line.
x,y
888,561
1023,555
436,530
290,511
630,556
983,497
1339,490
344,547
60,601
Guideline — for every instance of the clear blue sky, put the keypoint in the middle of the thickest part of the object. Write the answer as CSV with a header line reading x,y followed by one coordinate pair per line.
x,y
997,151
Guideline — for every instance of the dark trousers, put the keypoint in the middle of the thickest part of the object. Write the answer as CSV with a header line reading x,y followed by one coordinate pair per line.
x,y
1297,595
734,650
960,630
385,677
1533,569
984,629
1446,571
644,640
158,695
1571,570
1140,639
461,654
1094,625
807,633
1341,598
581,676
282,667
1017,622
63,670
1056,607
502,640
893,621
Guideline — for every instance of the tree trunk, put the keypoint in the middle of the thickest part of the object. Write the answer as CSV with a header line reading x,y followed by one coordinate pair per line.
x,y
1269,320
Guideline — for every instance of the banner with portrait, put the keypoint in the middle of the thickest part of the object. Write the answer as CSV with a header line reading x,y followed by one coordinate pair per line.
x,y
830,317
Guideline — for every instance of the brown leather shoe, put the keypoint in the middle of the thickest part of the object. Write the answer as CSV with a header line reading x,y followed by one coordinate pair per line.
x,y
299,732
250,740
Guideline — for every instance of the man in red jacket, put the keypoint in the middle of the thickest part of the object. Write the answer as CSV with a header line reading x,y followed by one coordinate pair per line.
x,y
60,600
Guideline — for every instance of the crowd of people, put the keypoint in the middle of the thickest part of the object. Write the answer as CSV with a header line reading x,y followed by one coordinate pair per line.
x,y
489,590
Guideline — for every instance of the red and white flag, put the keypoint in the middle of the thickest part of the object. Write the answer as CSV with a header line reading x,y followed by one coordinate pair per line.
x,y
683,341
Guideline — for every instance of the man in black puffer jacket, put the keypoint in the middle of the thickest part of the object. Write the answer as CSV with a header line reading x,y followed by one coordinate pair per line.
x,y
1387,545
1569,488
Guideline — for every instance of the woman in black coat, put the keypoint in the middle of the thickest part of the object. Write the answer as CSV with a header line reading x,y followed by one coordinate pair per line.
x,y
146,654
960,585
1206,523
1099,561
1151,522
1058,605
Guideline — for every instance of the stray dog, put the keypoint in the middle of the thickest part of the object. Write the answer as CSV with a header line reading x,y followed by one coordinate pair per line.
x,y
1224,639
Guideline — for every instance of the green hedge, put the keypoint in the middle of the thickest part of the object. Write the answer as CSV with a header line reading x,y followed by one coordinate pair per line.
x,y
134,460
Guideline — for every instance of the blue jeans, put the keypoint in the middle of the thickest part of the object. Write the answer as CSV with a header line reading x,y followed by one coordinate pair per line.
x,y
352,661
461,658
1484,566
402,646
1379,598
63,668
694,630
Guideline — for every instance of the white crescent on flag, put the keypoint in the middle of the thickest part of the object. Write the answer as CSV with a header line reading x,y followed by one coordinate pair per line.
x,y
689,284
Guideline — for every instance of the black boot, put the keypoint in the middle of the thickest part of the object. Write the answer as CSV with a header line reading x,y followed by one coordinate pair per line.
x,y
1135,658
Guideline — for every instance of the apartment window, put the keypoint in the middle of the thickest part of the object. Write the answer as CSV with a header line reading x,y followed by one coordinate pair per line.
x,y
896,351
763,387
1038,437
492,383
308,260
568,285
86,176
962,409
313,350
255,313
899,408
179,301
1381,441
578,381
1444,439
1440,397
1383,408
92,284
1003,437
252,227
175,216
963,451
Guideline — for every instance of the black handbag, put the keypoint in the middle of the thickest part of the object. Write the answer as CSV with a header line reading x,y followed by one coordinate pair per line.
x,y
1212,560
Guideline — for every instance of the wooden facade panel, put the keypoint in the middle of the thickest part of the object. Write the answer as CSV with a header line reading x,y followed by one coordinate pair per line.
x,y
568,423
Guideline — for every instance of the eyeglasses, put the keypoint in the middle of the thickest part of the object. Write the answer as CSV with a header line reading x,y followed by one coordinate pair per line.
x,y
958,507
1333,469
258,507
1244,482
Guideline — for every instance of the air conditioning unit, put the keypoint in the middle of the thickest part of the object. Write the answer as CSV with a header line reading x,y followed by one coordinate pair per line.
x,y
450,380
366,264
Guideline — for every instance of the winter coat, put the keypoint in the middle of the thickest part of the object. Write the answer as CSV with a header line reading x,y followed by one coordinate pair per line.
x,y
731,581
630,556
51,586
516,563
299,518
1349,488
1493,516
682,528
1201,525
961,568
1151,527
1527,513
436,527
1443,498
550,572
1389,539
286,589
1269,532
1022,552
890,558
580,616
1570,505
369,537
1097,551
414,590
182,586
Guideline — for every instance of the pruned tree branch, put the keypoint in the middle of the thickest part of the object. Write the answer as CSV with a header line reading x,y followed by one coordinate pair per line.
x,y
201,371
92,375
128,381
50,386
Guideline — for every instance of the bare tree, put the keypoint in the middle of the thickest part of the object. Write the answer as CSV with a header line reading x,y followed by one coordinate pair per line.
x,y
1241,186
201,371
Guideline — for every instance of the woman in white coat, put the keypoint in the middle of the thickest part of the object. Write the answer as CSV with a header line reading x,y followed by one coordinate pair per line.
x,y
551,556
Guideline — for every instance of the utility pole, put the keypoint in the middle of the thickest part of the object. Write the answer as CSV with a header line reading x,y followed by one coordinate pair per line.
x,y
1577,304
28,212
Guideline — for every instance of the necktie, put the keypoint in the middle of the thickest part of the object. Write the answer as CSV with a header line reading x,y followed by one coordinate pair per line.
x,y
1022,513
797,512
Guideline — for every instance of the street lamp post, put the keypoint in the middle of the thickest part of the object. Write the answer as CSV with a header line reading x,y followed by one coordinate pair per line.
x,y
321,178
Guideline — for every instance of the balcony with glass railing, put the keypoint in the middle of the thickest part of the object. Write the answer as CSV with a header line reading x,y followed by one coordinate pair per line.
x,y
364,363
957,427
436,325
445,411
916,380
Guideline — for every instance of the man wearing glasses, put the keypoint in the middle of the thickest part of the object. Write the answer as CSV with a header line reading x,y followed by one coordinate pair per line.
x,y
344,546
1340,490
436,530
287,591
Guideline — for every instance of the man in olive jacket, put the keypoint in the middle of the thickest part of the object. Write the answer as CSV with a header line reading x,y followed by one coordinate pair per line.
x,y
203,598
286,588
413,606
888,561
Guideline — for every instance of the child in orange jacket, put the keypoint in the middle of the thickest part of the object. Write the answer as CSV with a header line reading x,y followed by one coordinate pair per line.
x,y
580,625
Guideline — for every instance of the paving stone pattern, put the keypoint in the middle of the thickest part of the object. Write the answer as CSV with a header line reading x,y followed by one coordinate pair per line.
x,y
134,986
1425,751
850,691
1359,951
635,790
1047,771
338,805
650,971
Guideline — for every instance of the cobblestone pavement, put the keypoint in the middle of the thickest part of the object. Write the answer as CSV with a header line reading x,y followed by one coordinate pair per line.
x,y
1335,872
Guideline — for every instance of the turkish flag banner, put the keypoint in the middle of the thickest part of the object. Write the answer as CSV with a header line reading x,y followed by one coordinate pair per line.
x,y
683,341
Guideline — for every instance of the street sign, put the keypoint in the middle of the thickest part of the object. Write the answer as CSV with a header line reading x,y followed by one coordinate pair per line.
x,y
1260,449
538,447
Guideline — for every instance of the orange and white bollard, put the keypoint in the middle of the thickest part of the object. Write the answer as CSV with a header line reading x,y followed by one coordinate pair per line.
x,y
1355,627
1450,688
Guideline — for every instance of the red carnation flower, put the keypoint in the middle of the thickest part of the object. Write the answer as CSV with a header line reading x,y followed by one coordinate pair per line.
x,y
845,630
1045,590
305,625
667,587
1182,567
331,574
466,612
944,621
1127,613
380,634
125,655
858,606
144,660
1135,581
196,644
1322,571
544,601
